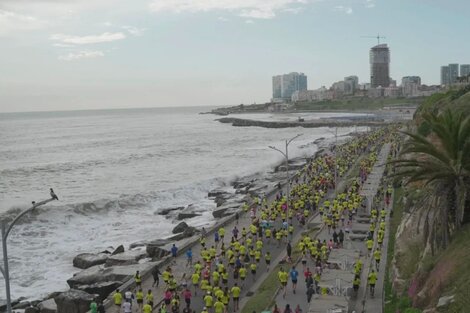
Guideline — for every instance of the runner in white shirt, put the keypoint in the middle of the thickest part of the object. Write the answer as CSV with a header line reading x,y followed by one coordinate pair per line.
x,y
127,307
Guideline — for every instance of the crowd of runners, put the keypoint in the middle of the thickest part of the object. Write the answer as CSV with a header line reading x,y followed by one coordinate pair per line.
x,y
215,280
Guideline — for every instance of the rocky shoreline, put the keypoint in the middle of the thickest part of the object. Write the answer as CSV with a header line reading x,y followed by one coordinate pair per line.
x,y
104,271
306,124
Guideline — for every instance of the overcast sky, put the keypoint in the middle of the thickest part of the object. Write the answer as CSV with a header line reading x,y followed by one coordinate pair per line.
x,y
91,54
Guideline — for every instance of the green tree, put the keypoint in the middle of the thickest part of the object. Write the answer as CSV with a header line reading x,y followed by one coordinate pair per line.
x,y
441,163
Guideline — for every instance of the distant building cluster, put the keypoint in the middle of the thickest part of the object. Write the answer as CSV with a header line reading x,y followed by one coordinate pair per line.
x,y
284,86
292,87
450,74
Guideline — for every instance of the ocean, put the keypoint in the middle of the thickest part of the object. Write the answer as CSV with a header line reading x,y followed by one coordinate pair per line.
x,y
113,170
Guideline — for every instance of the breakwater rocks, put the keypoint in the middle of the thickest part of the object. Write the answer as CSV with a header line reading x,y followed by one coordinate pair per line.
x,y
306,124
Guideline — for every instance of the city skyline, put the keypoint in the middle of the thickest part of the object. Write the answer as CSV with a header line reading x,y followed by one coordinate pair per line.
x,y
117,54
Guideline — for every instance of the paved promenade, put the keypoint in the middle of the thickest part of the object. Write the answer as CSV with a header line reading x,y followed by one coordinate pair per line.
x,y
339,278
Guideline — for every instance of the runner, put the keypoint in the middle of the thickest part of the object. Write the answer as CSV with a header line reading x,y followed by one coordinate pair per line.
x,y
283,278
294,276
372,279
235,296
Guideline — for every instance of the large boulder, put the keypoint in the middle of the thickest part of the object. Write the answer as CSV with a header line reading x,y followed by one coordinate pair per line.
x,y
125,258
118,250
21,305
86,260
185,215
102,290
73,301
99,273
226,210
216,193
47,306
137,244
154,249
188,232
181,227
31,309
167,211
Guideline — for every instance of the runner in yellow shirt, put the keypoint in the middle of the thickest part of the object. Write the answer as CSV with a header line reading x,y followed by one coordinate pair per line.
x,y
235,296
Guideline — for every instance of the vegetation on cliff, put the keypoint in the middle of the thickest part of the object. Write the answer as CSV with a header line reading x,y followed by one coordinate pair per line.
x,y
431,254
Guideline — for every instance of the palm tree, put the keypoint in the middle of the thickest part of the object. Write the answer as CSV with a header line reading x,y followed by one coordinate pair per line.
x,y
441,163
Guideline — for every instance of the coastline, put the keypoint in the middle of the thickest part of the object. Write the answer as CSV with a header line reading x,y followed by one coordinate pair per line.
x,y
238,122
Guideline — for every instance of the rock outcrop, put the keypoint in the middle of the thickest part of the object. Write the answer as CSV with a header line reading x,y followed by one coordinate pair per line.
x,y
73,301
86,260
102,290
226,210
119,249
168,210
155,251
126,258
185,215
181,227
47,306
99,273
31,309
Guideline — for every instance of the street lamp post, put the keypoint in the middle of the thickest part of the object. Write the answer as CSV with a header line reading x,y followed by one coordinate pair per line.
x,y
5,232
286,156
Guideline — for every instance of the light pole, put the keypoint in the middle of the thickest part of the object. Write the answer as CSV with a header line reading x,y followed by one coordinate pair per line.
x,y
286,156
5,232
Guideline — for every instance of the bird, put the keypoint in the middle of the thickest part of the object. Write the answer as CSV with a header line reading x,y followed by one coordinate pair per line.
x,y
53,195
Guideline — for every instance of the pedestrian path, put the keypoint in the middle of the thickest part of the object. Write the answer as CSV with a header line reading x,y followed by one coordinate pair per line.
x,y
338,276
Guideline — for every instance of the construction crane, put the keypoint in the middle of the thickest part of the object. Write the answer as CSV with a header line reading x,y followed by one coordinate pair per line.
x,y
378,37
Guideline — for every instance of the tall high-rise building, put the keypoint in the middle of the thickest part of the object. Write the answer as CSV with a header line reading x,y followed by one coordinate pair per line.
x,y
464,69
285,85
453,72
445,75
379,66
